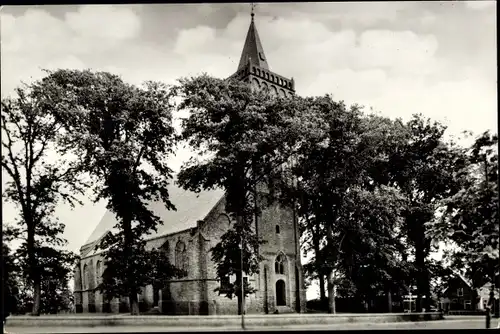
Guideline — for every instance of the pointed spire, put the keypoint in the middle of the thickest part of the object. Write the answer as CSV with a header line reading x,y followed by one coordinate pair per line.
x,y
253,51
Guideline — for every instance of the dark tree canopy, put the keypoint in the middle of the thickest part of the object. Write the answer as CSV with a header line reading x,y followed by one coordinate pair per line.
x,y
244,138
469,218
37,181
123,135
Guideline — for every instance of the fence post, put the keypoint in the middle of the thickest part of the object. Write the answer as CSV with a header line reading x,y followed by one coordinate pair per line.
x,y
189,307
488,318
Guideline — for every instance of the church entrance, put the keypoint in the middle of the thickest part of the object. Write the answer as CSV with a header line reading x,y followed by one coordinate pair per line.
x,y
280,293
156,296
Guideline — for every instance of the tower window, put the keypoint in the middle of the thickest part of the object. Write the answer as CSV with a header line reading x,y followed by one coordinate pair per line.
x,y
272,78
279,264
277,229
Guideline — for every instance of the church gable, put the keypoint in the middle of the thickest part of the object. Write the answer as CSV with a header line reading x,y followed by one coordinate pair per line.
x,y
215,223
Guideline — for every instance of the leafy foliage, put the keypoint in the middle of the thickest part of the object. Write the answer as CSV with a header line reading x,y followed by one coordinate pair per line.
x,y
229,263
123,135
37,181
10,285
244,138
350,218
153,267
423,170
469,218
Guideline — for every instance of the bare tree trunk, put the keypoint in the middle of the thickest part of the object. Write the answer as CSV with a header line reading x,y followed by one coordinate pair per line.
x,y
238,293
322,288
321,277
134,303
37,293
389,300
423,284
33,270
331,293
240,305
133,300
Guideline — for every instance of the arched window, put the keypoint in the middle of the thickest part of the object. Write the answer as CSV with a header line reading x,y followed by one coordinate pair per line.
x,y
280,293
181,256
279,264
78,277
165,248
86,277
274,91
255,83
264,86
98,272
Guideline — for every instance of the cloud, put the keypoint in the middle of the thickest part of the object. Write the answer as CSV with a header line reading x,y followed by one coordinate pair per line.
x,y
37,40
104,22
359,14
402,51
190,40
467,104
480,4
69,61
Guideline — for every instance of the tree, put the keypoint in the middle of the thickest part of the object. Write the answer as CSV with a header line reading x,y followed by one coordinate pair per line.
x,y
56,269
155,265
123,135
37,181
469,218
10,286
312,239
350,153
54,262
370,256
423,169
243,138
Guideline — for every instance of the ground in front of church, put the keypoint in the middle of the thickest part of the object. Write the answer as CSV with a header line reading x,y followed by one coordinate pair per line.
x,y
455,322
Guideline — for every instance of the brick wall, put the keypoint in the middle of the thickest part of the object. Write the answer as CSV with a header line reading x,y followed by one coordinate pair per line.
x,y
194,294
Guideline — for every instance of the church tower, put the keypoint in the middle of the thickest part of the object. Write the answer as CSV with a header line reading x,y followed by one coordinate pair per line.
x,y
254,67
280,285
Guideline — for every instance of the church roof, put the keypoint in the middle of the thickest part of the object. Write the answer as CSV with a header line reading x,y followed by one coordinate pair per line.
x,y
191,207
253,51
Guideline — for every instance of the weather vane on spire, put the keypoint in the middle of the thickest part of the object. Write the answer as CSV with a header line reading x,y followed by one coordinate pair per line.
x,y
253,8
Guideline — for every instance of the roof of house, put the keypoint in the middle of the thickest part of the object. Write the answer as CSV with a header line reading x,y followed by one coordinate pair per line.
x,y
191,207
462,277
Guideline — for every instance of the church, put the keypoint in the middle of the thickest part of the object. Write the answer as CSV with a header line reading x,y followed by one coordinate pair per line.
x,y
188,234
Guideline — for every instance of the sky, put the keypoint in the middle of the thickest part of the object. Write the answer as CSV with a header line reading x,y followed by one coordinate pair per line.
x,y
399,58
